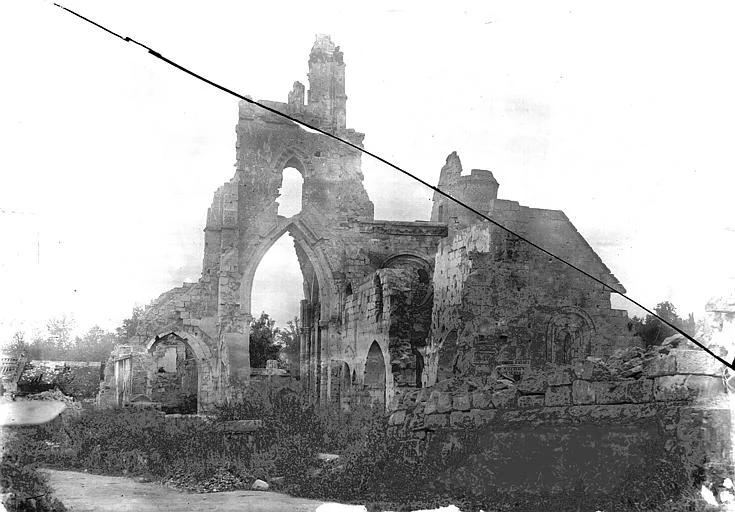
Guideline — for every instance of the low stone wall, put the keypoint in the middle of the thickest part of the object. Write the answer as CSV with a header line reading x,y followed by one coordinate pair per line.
x,y
594,421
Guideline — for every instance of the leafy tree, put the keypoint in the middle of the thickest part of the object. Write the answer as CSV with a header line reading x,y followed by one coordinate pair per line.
x,y
263,341
55,342
653,331
17,345
290,342
95,345
130,325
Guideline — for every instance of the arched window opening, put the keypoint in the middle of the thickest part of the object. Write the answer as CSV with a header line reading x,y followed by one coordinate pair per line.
x,y
277,291
290,193
375,375
340,384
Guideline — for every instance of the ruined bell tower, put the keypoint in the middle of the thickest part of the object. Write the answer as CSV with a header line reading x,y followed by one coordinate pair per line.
x,y
327,99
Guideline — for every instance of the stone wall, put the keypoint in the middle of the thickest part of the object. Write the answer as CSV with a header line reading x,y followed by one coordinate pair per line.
x,y
594,421
79,379
498,301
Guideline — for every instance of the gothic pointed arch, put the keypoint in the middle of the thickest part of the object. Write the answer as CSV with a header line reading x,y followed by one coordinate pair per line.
x,y
307,242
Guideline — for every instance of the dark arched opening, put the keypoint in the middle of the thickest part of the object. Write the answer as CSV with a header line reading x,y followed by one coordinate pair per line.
x,y
375,375
175,381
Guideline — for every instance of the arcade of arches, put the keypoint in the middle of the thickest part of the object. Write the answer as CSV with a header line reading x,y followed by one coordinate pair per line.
x,y
388,306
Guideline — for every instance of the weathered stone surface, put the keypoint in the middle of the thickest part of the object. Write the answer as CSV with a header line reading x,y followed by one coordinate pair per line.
x,y
259,485
434,421
664,364
696,362
559,376
626,391
482,400
583,369
430,407
459,418
505,398
444,402
531,401
687,387
461,402
533,382
583,392
558,395
482,416
397,418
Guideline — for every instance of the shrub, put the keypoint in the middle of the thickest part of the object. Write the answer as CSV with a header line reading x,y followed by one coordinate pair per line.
x,y
22,486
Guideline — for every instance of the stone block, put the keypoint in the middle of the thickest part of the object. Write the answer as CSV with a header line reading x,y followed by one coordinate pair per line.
x,y
583,392
482,400
461,402
481,416
397,418
533,382
559,375
583,369
505,398
688,387
696,362
660,365
527,401
459,418
558,395
423,395
444,402
430,407
625,391
434,421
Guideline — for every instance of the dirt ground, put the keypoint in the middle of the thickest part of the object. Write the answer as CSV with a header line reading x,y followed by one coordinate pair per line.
x,y
84,492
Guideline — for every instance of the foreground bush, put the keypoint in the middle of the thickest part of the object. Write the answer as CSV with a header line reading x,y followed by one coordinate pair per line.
x,y
22,486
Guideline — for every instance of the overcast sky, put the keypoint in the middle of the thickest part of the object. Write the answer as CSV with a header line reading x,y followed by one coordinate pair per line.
x,y
621,114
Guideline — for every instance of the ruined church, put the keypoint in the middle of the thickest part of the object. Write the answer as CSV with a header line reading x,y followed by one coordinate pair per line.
x,y
390,306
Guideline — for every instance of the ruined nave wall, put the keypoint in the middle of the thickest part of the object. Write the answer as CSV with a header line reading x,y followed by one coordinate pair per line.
x,y
499,301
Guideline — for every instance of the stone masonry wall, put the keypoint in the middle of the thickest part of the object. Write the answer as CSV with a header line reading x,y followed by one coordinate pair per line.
x,y
593,421
499,301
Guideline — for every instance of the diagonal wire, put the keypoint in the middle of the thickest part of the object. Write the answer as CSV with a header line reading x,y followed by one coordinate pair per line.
x,y
403,171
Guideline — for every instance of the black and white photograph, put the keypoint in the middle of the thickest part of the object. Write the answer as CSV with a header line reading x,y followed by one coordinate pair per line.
x,y
367,257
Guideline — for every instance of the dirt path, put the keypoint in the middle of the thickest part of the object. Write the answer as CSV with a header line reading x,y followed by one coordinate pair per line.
x,y
83,492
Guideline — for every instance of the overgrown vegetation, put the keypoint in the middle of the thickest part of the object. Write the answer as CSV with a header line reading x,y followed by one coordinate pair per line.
x,y
653,331
270,342
376,465
56,342
23,488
